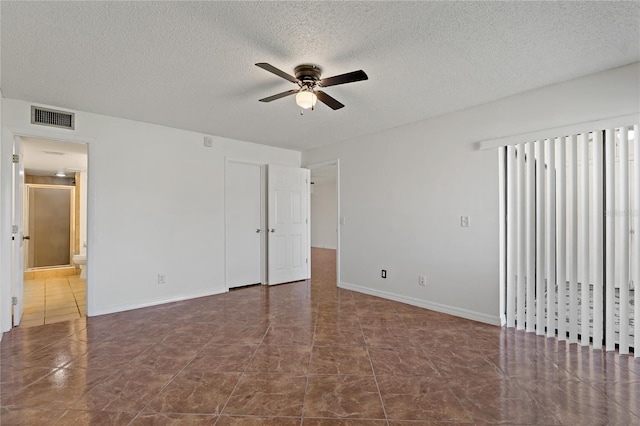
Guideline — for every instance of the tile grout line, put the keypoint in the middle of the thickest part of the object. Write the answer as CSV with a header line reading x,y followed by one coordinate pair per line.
x,y
373,371
170,380
313,342
242,374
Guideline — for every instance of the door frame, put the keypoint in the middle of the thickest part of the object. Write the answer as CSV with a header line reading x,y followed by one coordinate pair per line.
x,y
263,216
319,165
6,188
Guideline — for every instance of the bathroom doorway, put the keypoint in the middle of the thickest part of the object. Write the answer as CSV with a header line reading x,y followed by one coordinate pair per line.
x,y
55,230
49,225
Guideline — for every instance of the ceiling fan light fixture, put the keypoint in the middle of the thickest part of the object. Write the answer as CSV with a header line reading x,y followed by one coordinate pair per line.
x,y
306,99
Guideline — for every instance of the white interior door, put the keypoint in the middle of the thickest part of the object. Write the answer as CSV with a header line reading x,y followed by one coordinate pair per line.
x,y
17,267
243,230
288,219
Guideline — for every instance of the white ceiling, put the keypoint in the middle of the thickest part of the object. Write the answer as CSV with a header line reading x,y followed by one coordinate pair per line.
x,y
190,65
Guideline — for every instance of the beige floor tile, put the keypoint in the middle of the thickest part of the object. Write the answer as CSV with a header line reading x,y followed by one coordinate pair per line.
x,y
58,293
61,281
60,305
31,323
33,309
62,302
69,317
57,312
33,316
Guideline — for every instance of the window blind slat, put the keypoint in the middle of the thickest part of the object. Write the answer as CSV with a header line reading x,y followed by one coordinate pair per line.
x,y
597,240
561,235
610,167
550,236
585,299
511,237
573,238
540,240
623,248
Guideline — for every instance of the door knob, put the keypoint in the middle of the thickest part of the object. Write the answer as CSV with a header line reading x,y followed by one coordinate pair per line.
x,y
258,231
26,237
273,230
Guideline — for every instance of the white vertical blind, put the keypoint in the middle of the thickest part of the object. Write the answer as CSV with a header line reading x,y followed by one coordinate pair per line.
x,y
511,236
585,299
540,234
531,238
610,179
597,240
636,237
522,240
623,248
573,219
561,235
573,239
550,236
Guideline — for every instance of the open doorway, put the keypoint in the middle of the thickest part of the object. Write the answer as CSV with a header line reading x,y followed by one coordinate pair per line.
x,y
325,232
54,212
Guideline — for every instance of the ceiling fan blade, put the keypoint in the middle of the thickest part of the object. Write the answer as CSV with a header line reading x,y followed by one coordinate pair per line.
x,y
328,100
279,95
276,71
349,77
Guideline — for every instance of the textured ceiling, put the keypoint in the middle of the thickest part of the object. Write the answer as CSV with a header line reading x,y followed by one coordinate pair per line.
x,y
190,65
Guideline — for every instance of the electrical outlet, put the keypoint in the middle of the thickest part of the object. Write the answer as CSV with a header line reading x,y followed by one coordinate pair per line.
x,y
162,278
422,280
383,274
464,221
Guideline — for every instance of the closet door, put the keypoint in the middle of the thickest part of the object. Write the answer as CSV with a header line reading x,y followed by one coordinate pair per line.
x,y
243,224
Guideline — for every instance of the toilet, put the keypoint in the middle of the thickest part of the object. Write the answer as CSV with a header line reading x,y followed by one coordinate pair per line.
x,y
81,261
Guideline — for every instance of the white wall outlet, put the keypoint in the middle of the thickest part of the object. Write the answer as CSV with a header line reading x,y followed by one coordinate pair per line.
x,y
422,280
162,278
464,221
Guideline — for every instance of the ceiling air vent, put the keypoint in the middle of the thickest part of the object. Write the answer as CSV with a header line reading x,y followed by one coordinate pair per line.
x,y
51,117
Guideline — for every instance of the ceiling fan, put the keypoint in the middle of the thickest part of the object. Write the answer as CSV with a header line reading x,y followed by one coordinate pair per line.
x,y
308,80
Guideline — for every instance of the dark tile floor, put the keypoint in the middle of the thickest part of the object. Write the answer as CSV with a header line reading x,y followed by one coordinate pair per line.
x,y
305,353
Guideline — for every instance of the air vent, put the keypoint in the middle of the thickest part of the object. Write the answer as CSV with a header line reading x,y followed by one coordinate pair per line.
x,y
51,117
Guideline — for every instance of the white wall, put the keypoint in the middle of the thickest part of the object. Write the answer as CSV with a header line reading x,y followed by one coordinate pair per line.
x,y
403,192
5,292
324,214
155,205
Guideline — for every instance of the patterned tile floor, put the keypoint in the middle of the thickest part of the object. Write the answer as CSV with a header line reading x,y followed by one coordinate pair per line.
x,y
49,300
305,353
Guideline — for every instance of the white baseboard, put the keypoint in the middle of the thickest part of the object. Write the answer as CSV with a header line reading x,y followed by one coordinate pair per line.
x,y
132,306
438,307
